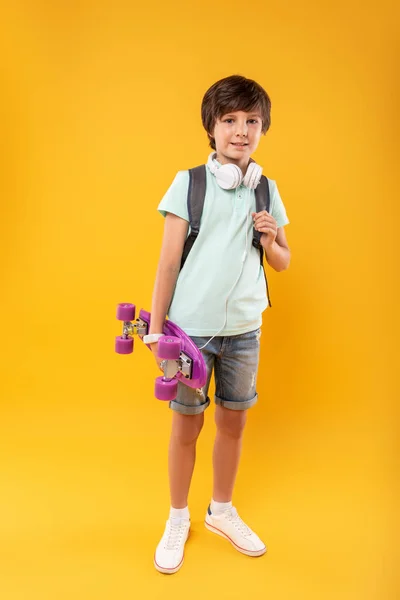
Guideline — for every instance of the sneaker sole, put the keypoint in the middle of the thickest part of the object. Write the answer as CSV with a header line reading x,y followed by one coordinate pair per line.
x,y
171,570
239,548
167,571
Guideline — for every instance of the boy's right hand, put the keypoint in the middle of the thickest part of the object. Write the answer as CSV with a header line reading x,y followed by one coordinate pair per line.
x,y
154,349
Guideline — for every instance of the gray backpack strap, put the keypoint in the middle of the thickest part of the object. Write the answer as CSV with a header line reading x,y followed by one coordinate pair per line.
x,y
263,202
195,203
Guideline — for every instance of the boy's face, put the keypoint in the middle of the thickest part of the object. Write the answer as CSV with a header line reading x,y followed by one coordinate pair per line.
x,y
237,135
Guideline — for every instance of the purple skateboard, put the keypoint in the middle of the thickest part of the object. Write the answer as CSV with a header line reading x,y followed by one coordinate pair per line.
x,y
181,359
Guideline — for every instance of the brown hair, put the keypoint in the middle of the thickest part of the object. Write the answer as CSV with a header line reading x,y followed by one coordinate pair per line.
x,y
231,94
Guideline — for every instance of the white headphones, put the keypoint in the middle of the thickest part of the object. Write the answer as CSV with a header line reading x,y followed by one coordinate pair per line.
x,y
230,176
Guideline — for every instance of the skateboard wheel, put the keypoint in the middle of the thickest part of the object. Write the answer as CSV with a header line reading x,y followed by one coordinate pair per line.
x,y
169,347
123,345
126,311
165,390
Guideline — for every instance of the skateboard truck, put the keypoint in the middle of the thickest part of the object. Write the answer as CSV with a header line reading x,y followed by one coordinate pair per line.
x,y
138,327
182,365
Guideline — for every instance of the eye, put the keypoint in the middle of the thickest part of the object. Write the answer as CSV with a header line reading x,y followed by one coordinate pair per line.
x,y
253,121
228,121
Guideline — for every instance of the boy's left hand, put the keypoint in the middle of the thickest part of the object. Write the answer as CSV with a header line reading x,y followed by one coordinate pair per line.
x,y
266,224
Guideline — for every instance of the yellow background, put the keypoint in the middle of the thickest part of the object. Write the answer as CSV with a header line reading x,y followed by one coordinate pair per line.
x,y
100,108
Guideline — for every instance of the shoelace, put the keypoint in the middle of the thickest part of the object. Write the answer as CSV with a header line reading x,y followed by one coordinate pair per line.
x,y
233,517
174,536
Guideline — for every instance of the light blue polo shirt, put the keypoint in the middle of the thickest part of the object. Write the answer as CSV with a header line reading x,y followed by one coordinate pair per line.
x,y
200,304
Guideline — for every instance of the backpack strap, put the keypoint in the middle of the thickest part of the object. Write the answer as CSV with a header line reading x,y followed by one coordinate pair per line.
x,y
263,202
195,203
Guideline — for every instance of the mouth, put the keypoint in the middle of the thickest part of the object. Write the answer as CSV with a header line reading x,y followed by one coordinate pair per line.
x,y
239,145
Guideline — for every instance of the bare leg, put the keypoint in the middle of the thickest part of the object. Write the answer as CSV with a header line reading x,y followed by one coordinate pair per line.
x,y
182,455
227,451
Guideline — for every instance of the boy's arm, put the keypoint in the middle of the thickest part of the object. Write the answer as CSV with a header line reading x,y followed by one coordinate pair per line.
x,y
175,233
277,253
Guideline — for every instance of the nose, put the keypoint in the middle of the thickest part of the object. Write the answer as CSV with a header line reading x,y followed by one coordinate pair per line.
x,y
241,128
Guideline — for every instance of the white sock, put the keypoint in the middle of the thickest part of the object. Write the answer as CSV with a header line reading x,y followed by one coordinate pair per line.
x,y
219,507
179,513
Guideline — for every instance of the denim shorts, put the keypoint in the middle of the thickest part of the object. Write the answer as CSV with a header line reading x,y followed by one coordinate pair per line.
x,y
234,360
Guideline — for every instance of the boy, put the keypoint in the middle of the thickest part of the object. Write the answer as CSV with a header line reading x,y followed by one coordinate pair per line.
x,y
217,299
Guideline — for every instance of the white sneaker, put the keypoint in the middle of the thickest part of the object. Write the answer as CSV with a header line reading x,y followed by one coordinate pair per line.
x,y
230,526
170,551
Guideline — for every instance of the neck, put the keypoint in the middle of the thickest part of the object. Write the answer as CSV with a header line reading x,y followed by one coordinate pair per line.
x,y
242,164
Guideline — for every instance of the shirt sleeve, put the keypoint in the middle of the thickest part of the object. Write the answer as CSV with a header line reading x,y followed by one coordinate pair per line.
x,y
175,199
277,208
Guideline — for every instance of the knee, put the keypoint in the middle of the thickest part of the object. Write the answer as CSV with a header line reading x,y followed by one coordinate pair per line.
x,y
186,428
230,422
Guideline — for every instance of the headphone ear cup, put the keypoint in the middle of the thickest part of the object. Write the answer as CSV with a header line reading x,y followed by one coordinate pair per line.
x,y
229,176
253,176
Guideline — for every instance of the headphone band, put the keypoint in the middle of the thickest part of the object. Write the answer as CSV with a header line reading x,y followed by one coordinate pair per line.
x,y
229,176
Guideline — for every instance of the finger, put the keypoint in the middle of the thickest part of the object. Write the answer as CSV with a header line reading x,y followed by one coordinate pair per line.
x,y
263,213
260,215
263,224
268,231
265,218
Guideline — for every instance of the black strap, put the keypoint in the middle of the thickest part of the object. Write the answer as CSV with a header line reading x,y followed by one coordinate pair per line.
x,y
195,203
263,202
